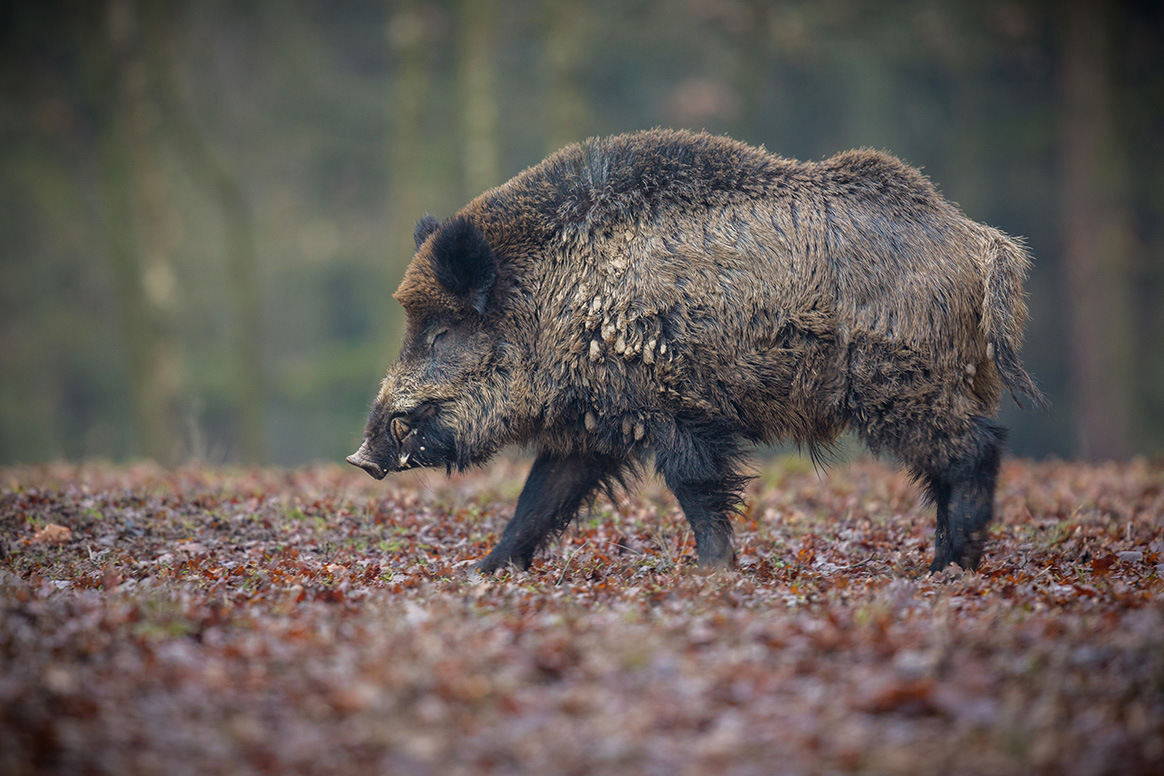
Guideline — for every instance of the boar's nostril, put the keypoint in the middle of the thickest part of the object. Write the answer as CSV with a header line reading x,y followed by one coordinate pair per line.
x,y
370,467
400,429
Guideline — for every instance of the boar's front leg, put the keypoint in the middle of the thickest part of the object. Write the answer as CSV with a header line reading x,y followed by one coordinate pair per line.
x,y
556,488
699,468
707,507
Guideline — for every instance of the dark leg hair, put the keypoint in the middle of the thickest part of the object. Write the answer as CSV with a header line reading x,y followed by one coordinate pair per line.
x,y
698,466
556,488
963,493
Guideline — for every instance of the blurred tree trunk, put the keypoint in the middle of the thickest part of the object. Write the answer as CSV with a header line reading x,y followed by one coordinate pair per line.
x,y
409,40
1095,232
216,176
566,43
477,89
139,230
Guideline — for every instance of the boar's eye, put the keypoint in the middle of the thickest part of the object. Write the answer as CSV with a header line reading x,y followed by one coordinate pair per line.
x,y
437,335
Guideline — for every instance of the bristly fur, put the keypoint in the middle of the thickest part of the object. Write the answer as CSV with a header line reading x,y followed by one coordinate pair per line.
x,y
674,297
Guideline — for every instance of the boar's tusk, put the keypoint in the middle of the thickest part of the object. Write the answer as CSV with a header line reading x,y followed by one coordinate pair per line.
x,y
404,459
400,429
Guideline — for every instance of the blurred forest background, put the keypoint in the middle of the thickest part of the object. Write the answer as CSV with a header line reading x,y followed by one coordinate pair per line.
x,y
205,205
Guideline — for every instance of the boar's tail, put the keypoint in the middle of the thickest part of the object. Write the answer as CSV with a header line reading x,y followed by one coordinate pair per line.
x,y
1004,312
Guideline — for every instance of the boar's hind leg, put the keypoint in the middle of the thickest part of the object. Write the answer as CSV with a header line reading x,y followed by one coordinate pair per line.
x,y
556,488
964,495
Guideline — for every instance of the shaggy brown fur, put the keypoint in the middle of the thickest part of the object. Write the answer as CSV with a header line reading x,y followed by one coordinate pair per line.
x,y
676,296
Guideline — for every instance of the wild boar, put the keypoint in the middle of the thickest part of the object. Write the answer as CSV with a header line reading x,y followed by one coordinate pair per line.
x,y
674,298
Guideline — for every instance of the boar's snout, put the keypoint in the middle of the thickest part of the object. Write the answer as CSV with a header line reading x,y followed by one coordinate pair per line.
x,y
362,458
412,440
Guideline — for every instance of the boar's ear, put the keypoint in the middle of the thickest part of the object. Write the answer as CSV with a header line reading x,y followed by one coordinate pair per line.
x,y
425,227
463,261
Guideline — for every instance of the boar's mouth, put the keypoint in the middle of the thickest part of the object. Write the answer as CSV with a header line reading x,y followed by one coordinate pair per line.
x,y
362,459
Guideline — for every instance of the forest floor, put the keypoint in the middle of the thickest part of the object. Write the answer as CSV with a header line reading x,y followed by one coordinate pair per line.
x,y
315,621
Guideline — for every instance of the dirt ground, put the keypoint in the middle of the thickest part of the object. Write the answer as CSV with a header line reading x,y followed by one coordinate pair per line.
x,y
209,621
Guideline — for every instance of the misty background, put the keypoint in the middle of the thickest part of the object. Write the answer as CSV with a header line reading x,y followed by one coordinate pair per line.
x,y
205,206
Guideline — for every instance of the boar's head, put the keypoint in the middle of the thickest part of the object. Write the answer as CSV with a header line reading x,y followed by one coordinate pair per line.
x,y
436,403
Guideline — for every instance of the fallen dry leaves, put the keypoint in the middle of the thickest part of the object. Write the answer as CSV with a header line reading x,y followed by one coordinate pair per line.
x,y
51,534
230,621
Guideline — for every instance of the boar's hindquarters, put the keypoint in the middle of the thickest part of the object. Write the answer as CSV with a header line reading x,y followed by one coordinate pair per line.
x,y
556,488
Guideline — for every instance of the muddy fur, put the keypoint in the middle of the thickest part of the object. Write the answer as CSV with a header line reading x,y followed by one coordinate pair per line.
x,y
672,298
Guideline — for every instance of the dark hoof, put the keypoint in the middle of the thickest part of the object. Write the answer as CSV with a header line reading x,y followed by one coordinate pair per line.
x,y
966,563
940,564
722,561
488,564
970,561
496,561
